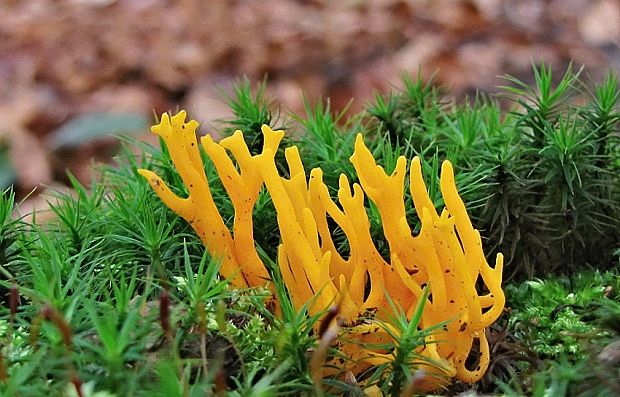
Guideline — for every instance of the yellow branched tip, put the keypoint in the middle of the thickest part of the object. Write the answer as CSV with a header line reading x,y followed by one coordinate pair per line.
x,y
168,125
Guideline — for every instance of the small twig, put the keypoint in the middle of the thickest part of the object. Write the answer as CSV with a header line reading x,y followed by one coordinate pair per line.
x,y
328,333
164,315
52,314
3,372
77,383
202,329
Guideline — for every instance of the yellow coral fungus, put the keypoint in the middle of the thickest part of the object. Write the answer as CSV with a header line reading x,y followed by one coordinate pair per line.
x,y
240,261
446,255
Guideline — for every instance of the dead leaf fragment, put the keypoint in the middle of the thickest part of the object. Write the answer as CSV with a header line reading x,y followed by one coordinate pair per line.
x,y
601,24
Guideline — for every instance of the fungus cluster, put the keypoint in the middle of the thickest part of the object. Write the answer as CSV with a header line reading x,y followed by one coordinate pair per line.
x,y
465,294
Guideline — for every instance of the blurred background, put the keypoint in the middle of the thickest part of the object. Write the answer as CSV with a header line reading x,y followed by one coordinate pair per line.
x,y
74,72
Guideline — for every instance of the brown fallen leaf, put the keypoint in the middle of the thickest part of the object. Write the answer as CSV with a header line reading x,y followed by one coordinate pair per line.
x,y
600,25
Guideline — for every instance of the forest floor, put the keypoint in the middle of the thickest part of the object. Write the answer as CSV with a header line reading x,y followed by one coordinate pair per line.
x,y
63,60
